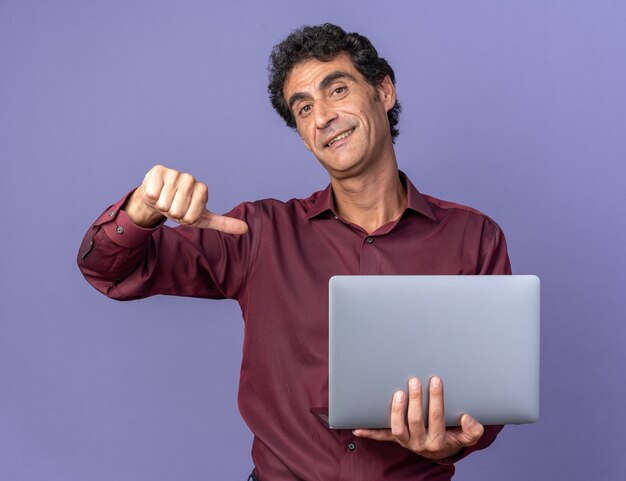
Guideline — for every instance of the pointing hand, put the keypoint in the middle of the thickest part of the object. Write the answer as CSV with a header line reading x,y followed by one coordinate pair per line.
x,y
178,196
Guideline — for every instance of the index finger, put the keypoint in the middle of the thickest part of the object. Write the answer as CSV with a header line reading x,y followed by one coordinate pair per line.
x,y
222,223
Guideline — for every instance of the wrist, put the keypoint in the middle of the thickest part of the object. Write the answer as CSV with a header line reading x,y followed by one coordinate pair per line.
x,y
140,213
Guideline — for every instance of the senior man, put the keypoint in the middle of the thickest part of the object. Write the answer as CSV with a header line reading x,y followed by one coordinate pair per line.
x,y
340,96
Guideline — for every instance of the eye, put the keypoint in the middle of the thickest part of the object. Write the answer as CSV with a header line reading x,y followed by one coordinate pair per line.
x,y
339,90
305,109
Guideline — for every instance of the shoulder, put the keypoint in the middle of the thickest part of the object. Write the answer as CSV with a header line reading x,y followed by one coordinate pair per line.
x,y
446,207
455,213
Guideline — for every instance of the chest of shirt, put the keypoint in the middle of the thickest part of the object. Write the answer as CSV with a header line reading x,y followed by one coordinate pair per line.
x,y
294,261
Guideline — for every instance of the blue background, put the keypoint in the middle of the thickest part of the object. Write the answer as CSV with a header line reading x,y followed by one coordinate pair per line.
x,y
515,108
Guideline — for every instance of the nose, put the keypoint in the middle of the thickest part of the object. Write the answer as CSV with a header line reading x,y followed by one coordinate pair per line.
x,y
324,115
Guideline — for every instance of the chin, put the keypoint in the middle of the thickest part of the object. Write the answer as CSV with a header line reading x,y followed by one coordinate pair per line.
x,y
343,169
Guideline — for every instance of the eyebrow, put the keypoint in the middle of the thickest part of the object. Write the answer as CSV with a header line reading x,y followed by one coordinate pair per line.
x,y
331,77
326,81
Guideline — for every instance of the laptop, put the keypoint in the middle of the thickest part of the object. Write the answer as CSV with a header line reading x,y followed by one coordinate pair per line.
x,y
479,334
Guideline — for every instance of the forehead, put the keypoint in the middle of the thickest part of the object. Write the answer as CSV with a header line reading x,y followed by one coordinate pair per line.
x,y
307,75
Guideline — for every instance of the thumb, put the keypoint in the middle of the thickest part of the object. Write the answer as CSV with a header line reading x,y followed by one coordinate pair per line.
x,y
472,429
222,223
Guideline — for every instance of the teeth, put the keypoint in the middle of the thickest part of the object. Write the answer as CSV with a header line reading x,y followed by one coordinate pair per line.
x,y
339,137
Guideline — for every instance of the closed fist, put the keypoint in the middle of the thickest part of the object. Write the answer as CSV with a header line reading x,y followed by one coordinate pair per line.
x,y
178,196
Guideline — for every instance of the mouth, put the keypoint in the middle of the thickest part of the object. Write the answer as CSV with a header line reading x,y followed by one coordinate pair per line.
x,y
339,137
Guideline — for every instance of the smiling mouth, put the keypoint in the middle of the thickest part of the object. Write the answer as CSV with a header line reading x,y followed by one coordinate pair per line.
x,y
340,137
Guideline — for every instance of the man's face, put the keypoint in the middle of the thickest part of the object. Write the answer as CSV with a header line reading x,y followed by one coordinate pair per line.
x,y
341,118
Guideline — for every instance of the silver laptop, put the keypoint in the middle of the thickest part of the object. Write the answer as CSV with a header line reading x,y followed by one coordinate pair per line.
x,y
480,334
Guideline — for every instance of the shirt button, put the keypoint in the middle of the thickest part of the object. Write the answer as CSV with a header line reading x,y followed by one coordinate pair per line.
x,y
370,240
120,229
111,213
88,250
351,446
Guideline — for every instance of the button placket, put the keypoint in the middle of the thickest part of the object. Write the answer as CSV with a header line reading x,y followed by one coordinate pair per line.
x,y
369,256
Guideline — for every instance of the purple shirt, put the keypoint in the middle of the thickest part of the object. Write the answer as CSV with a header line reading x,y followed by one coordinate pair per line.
x,y
279,273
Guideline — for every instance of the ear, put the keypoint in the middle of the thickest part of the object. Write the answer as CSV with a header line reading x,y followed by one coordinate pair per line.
x,y
387,92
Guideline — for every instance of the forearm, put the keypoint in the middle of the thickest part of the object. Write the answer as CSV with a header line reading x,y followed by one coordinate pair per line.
x,y
112,248
126,261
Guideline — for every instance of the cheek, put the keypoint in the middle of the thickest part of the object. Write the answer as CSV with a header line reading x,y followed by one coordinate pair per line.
x,y
307,139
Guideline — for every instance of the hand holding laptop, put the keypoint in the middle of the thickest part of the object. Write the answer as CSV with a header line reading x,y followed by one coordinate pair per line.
x,y
431,439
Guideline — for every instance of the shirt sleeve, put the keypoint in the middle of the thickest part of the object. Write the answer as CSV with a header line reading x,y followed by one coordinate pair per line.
x,y
493,260
125,261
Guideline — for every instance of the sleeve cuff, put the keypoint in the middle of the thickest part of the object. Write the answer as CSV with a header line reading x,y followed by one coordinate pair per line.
x,y
120,229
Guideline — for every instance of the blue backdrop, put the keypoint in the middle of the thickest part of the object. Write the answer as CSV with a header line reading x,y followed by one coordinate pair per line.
x,y
515,108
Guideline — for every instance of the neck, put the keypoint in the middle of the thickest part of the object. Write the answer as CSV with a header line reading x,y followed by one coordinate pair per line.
x,y
371,199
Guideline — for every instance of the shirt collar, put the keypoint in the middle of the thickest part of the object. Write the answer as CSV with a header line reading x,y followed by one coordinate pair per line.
x,y
324,201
